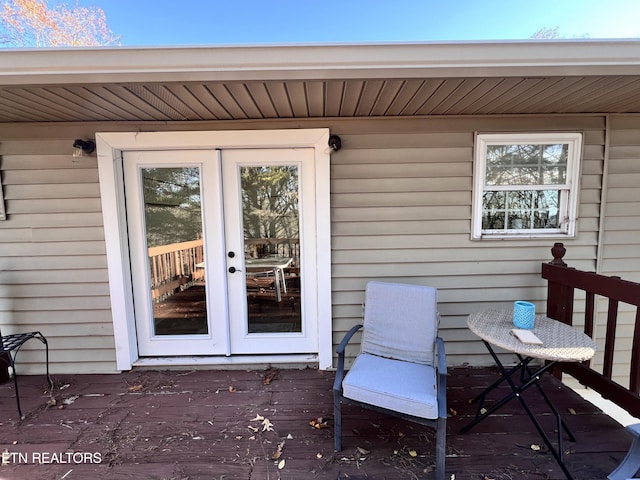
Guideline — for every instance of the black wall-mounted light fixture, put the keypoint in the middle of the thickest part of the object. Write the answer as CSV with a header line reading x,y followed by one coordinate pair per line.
x,y
83,147
335,143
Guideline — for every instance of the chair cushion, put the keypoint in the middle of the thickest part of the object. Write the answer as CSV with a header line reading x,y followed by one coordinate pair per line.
x,y
400,321
396,385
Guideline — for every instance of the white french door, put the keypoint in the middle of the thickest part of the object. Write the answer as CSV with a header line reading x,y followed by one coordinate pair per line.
x,y
269,216
222,246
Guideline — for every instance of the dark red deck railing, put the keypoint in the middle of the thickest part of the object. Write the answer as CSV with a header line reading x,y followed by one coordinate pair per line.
x,y
563,281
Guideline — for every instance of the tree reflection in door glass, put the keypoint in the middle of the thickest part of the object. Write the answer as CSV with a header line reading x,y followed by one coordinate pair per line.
x,y
173,225
271,222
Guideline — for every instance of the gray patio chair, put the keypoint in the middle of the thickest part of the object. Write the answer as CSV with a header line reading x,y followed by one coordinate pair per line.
x,y
631,463
401,368
9,348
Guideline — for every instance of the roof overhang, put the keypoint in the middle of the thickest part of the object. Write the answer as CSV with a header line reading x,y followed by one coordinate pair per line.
x,y
23,72
281,62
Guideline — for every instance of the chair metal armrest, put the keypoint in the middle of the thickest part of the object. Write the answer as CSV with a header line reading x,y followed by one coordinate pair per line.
x,y
347,338
337,384
442,357
442,378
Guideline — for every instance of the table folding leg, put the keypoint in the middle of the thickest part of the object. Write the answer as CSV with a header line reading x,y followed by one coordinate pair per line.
x,y
528,378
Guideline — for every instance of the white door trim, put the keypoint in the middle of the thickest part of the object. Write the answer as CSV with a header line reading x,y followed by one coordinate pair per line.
x,y
110,147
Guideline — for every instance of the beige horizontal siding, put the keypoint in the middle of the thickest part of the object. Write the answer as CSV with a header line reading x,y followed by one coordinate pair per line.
x,y
400,208
401,211
621,249
53,275
621,235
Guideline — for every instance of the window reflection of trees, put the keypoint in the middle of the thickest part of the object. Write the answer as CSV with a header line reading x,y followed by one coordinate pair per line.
x,y
172,205
270,208
529,166
526,209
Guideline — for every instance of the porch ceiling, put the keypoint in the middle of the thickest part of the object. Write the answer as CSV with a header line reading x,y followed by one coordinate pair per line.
x,y
238,83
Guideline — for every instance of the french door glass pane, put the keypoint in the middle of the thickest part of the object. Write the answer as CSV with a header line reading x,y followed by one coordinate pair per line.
x,y
173,226
271,223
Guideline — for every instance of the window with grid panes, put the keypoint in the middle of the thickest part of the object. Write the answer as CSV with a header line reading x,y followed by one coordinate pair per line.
x,y
526,185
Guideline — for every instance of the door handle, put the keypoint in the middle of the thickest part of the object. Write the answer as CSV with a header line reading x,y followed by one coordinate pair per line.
x,y
234,270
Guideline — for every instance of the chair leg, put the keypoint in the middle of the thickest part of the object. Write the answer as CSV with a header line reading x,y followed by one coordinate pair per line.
x,y
12,364
337,421
46,349
441,442
631,463
15,383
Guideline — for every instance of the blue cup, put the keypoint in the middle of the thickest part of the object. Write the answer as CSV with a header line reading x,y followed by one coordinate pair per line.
x,y
524,315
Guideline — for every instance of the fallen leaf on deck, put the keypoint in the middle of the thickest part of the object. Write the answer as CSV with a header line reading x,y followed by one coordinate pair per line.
x,y
135,388
258,418
70,400
535,448
319,423
278,452
267,426
571,411
453,412
232,389
269,376
252,428
318,455
281,464
413,453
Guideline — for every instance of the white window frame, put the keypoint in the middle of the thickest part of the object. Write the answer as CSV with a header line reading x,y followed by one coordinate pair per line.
x,y
3,212
568,208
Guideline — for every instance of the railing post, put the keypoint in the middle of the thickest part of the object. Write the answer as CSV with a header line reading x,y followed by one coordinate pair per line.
x,y
634,381
559,297
558,252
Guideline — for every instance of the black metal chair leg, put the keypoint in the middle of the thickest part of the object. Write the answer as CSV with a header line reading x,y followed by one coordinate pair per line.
x,y
46,350
441,435
15,383
11,344
337,422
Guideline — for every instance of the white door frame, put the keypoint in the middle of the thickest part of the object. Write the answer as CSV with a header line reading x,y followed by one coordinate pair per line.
x,y
110,147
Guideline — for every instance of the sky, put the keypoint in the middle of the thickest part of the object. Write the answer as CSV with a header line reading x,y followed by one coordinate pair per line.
x,y
224,22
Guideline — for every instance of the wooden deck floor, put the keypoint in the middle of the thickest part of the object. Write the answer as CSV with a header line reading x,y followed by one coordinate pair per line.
x,y
210,424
